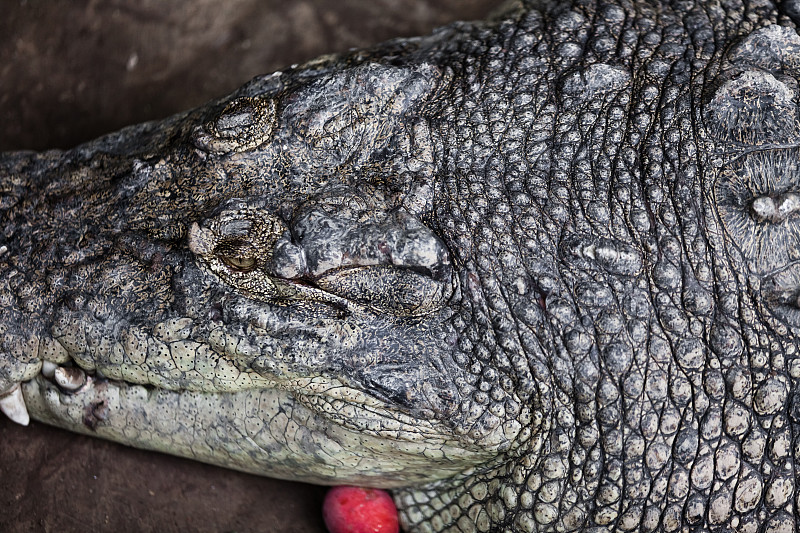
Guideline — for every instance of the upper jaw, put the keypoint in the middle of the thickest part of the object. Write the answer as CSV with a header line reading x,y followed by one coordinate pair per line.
x,y
366,373
167,311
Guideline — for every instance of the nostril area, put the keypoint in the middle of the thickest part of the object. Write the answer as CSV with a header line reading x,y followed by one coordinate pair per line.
x,y
764,208
752,106
775,208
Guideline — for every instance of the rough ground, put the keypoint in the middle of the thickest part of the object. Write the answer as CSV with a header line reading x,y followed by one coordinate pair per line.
x,y
71,70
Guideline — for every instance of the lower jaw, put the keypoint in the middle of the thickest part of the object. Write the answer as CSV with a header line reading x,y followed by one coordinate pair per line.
x,y
265,432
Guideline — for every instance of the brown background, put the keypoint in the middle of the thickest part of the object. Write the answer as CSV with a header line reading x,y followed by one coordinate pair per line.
x,y
71,70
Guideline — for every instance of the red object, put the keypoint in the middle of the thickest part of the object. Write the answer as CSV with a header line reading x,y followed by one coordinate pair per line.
x,y
359,510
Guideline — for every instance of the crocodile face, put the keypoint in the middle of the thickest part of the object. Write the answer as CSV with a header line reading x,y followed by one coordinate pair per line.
x,y
260,284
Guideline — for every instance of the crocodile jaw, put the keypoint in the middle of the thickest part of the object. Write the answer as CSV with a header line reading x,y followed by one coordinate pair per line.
x,y
266,432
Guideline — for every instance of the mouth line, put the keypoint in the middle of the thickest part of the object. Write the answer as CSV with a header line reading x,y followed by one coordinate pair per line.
x,y
379,422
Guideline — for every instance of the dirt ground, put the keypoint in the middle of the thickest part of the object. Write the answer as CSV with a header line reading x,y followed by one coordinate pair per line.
x,y
71,70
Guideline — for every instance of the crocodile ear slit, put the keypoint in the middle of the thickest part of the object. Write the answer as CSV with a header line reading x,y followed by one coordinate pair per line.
x,y
387,288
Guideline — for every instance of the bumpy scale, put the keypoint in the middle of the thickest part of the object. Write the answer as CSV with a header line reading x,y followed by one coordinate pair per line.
x,y
539,273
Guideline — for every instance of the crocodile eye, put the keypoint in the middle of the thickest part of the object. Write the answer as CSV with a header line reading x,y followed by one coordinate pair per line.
x,y
236,255
242,264
244,124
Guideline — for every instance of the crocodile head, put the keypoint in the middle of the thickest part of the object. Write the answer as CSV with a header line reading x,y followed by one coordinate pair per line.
x,y
261,283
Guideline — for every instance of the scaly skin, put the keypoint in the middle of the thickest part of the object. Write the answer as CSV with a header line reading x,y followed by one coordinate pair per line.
x,y
534,274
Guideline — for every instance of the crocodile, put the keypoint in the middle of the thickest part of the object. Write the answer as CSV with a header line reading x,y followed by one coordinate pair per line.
x,y
535,273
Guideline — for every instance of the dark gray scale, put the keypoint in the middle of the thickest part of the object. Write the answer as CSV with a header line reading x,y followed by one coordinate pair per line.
x,y
534,274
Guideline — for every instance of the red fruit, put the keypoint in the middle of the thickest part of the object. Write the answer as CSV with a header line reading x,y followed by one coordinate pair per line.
x,y
359,510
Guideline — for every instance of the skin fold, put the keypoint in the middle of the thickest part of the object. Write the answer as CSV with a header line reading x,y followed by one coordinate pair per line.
x,y
534,273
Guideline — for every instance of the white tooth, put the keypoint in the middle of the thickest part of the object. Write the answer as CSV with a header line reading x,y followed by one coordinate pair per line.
x,y
12,404
69,378
48,369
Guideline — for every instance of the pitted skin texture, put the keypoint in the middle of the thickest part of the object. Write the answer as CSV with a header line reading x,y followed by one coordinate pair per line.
x,y
538,273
